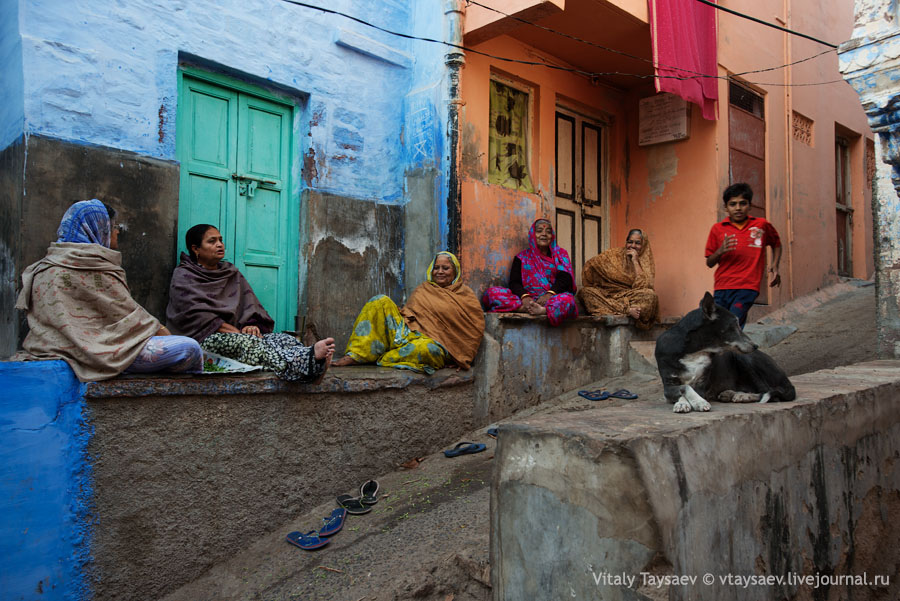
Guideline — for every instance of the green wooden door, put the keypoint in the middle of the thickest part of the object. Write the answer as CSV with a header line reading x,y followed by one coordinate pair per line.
x,y
234,145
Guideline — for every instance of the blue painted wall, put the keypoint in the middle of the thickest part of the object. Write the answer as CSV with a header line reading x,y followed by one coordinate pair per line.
x,y
45,483
12,83
104,73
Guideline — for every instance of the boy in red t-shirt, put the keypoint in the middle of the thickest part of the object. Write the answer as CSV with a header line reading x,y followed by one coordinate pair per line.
x,y
738,246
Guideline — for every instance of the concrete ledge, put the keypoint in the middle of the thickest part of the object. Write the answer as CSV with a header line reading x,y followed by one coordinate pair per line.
x,y
593,504
524,361
338,379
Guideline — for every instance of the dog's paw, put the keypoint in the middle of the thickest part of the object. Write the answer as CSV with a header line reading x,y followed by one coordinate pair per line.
x,y
682,406
745,397
700,404
726,396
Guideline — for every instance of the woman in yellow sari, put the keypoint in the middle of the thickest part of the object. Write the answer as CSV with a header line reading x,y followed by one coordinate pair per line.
x,y
441,323
619,281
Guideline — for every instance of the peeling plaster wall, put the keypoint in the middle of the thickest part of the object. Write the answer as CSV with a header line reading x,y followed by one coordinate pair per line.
x,y
46,483
495,219
673,190
810,488
369,125
12,97
869,62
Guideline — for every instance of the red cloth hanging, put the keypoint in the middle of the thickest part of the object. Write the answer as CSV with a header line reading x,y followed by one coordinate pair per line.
x,y
683,35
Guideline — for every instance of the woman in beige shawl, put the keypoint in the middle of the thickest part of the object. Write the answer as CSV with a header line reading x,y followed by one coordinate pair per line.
x,y
442,323
619,281
80,310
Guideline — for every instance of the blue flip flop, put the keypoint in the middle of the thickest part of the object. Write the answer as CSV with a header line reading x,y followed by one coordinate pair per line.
x,y
334,522
465,448
308,541
492,432
594,395
624,394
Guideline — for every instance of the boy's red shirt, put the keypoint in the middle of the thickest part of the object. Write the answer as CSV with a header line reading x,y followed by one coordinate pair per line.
x,y
743,267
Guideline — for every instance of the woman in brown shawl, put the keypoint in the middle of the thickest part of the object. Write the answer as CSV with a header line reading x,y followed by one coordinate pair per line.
x,y
441,323
79,307
619,281
212,302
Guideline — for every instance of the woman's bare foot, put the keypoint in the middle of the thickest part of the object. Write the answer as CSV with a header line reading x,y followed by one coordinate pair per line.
x,y
344,361
534,308
633,312
323,349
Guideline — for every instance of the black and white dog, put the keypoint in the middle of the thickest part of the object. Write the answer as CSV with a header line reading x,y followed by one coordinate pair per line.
x,y
707,356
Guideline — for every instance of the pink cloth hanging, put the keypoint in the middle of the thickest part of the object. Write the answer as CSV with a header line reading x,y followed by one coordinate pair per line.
x,y
683,36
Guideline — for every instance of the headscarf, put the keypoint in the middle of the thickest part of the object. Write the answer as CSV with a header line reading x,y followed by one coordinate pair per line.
x,y
453,260
201,300
451,316
86,222
612,271
539,270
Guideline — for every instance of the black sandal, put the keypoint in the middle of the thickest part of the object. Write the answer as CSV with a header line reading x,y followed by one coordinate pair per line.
x,y
368,492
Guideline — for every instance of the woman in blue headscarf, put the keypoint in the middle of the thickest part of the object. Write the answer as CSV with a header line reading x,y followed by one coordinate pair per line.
x,y
80,310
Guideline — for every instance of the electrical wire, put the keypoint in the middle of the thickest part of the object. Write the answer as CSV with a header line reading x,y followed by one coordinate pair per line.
x,y
632,56
761,22
589,74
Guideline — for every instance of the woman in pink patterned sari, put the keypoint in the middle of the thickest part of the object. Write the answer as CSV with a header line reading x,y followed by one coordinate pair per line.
x,y
541,281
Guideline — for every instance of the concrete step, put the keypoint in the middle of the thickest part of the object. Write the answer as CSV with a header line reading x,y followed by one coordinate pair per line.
x,y
641,357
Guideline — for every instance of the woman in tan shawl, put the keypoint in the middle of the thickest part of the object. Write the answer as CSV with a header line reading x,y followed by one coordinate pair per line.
x,y
441,323
79,308
619,281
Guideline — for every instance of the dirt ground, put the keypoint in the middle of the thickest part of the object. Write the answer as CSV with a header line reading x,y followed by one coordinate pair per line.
x,y
838,332
428,538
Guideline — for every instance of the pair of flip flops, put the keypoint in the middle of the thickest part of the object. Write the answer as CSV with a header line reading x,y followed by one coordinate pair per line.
x,y
368,496
317,539
465,448
602,395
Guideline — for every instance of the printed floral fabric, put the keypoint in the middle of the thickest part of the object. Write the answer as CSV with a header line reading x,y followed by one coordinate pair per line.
x,y
280,352
380,335
538,274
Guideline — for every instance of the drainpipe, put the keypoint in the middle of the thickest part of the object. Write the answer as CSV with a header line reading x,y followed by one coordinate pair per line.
x,y
789,148
454,14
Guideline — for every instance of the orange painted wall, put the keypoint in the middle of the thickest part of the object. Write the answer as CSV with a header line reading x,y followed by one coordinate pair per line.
x,y
673,190
495,220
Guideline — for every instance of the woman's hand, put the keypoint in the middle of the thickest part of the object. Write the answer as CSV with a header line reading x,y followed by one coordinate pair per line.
x,y
252,330
542,299
631,253
227,328
163,331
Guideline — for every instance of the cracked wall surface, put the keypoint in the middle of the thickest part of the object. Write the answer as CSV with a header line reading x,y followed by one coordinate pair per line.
x,y
596,504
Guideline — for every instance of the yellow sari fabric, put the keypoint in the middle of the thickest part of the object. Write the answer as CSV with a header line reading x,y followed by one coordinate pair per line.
x,y
380,335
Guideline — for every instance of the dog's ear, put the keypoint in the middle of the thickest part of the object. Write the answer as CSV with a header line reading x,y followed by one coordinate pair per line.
x,y
708,305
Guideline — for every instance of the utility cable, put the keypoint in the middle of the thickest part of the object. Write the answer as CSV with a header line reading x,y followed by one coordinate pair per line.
x,y
589,74
761,22
632,56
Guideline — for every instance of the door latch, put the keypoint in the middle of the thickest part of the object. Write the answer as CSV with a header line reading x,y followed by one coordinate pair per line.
x,y
247,188
247,184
